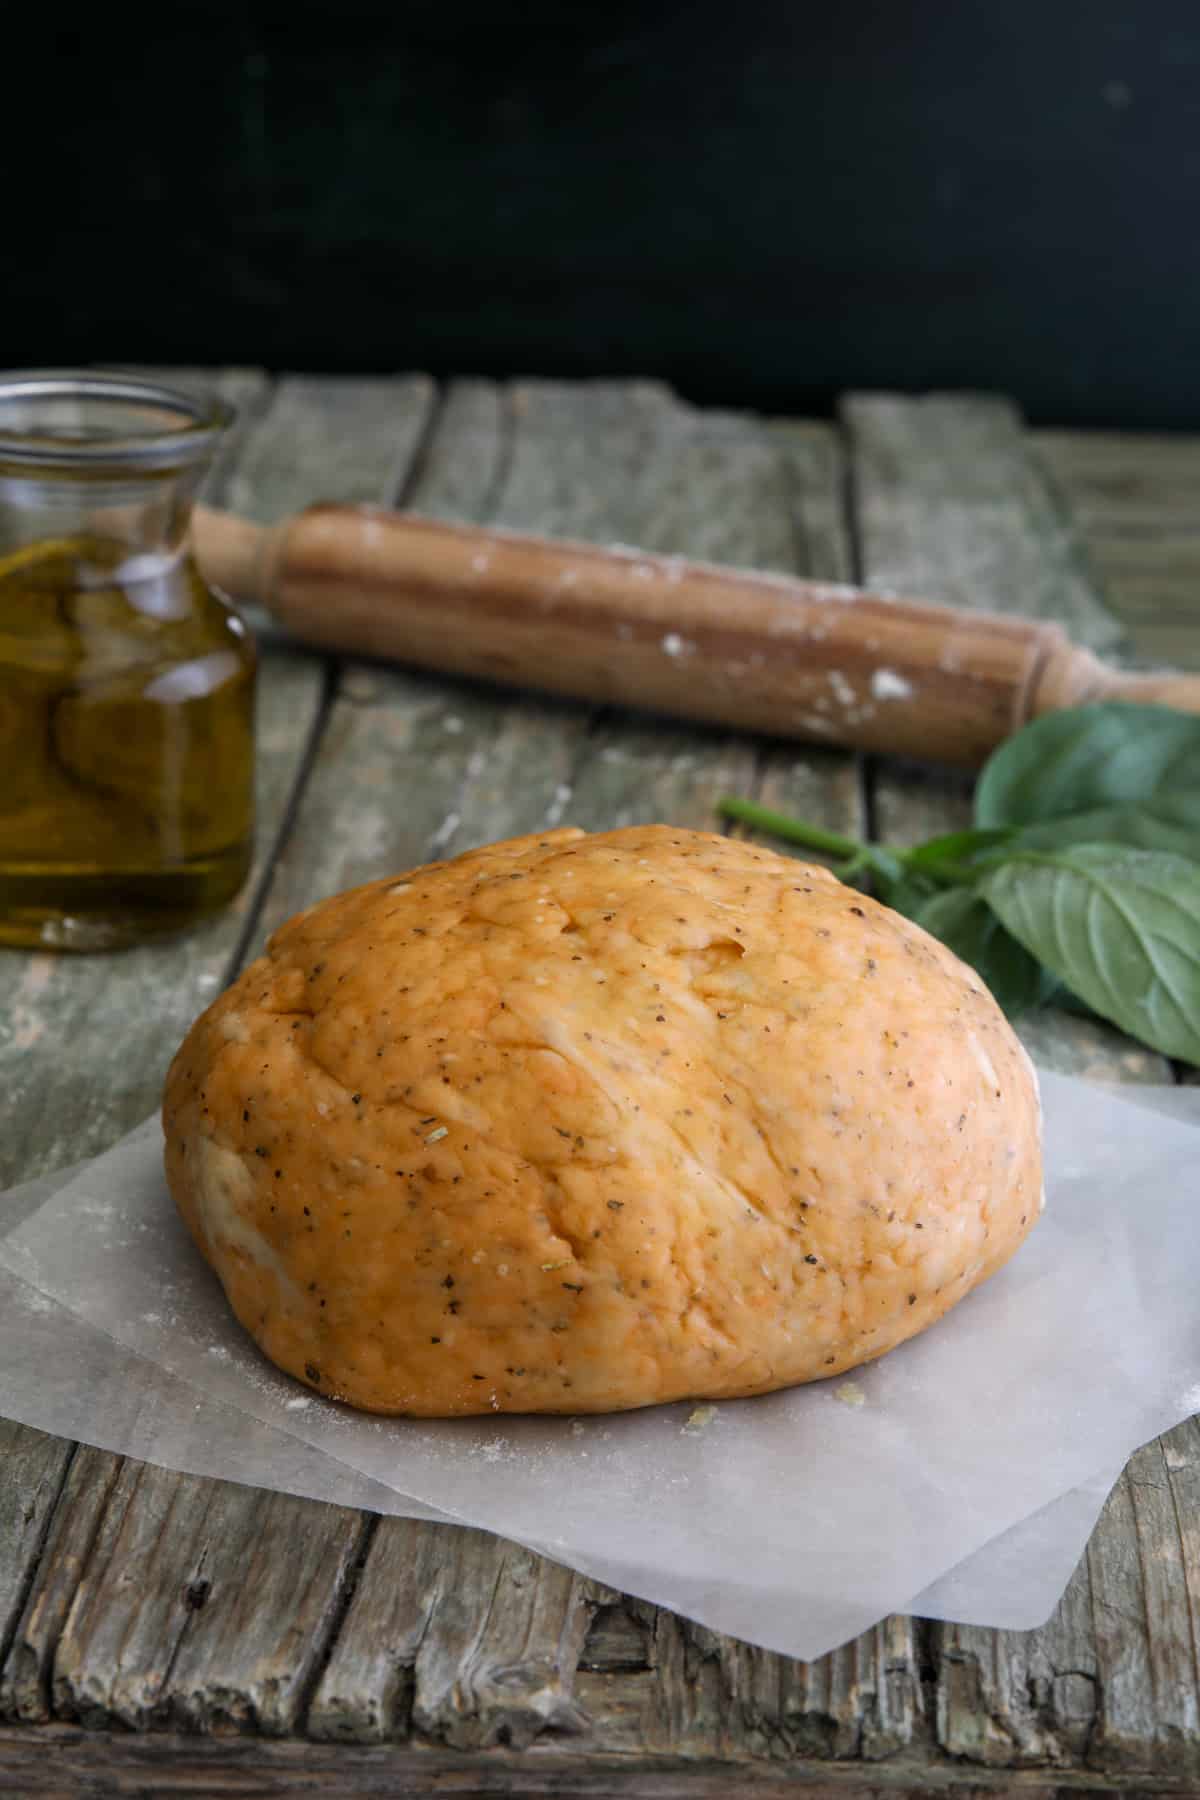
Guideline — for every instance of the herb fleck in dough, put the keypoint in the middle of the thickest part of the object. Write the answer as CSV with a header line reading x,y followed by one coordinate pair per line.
x,y
578,1123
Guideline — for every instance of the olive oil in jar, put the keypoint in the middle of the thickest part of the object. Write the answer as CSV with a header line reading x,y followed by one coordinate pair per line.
x,y
126,684
126,745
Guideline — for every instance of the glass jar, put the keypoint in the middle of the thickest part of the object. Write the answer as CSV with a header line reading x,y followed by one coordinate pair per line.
x,y
126,684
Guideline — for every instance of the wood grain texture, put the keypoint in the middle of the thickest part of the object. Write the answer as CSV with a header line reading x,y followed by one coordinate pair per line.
x,y
331,438
826,786
64,1762
1135,505
364,1692
1148,1716
28,1672
1093,1684
1111,1682
64,1650
949,504
500,1672
813,465
452,1633
201,1604
718,1697
1010,1699
34,1469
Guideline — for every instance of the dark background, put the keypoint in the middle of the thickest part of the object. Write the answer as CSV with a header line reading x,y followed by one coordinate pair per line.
x,y
761,203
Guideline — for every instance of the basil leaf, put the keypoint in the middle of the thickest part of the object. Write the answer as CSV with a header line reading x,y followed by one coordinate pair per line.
x,y
906,895
1137,827
967,925
884,868
957,846
1135,769
1068,1002
1120,928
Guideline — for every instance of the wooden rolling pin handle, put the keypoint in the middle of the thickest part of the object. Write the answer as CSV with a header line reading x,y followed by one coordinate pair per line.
x,y
765,653
1073,677
236,555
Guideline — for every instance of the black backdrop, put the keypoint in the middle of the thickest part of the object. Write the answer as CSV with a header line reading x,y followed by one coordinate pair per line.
x,y
763,203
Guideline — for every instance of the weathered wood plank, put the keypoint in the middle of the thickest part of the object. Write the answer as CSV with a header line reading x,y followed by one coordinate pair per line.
x,y
950,505
63,1762
870,1691
465,461
826,786
26,1678
167,1623
1010,1699
332,438
83,1006
813,462
1133,502
1148,1717
419,1650
34,1468
496,1662
364,1694
626,462
618,1639
1181,1459
1014,1698
1111,1681
717,1697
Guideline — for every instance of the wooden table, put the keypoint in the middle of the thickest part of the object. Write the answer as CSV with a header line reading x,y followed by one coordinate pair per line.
x,y
163,1635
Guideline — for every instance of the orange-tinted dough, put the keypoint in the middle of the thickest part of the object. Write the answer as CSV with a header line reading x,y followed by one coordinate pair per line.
x,y
576,1123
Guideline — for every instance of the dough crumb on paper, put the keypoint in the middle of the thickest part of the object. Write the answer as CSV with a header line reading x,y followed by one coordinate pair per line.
x,y
700,1418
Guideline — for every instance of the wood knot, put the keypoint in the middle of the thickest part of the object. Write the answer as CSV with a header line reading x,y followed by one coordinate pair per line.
x,y
196,1593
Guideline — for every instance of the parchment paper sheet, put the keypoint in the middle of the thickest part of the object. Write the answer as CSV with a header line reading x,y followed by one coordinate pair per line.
x,y
964,1485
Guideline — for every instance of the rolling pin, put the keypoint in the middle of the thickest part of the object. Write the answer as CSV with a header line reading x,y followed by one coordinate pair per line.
x,y
764,653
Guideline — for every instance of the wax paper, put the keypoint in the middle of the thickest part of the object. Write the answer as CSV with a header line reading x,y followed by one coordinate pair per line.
x,y
958,1476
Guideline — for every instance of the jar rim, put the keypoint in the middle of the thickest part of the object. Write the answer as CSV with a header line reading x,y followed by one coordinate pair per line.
x,y
197,421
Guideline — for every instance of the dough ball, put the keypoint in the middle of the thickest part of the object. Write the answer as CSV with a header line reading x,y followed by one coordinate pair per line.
x,y
577,1123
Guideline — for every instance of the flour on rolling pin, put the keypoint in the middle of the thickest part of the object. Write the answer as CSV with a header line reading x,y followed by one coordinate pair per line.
x,y
613,625
887,685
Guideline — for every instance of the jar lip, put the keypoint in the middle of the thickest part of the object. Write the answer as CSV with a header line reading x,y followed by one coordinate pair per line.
x,y
197,423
